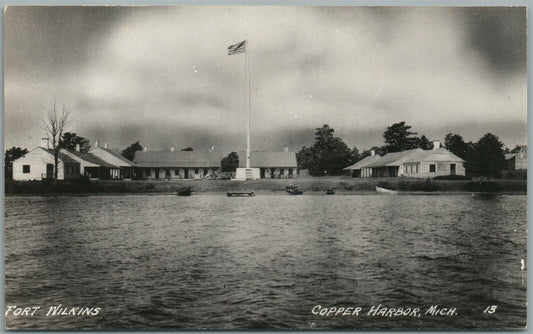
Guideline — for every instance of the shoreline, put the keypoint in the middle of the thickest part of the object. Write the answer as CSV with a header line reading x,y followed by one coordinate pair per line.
x,y
310,186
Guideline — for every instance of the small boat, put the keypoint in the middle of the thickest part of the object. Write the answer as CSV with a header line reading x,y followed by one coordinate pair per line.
x,y
240,194
330,191
185,191
386,191
293,190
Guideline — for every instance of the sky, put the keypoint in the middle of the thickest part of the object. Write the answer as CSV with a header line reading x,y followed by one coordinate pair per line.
x,y
162,75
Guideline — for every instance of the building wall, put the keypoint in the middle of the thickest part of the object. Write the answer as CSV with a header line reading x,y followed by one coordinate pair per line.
x,y
178,172
37,160
422,169
279,172
111,159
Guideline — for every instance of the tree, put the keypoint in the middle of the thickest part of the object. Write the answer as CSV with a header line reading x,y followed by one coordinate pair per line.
x,y
518,148
356,156
11,155
54,125
69,140
329,154
305,157
129,152
488,156
424,143
188,149
397,137
230,162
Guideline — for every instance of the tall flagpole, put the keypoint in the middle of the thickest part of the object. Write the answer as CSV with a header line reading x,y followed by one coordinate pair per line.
x,y
249,104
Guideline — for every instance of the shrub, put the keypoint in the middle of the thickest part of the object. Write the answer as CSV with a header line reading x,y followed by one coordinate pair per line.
x,y
452,177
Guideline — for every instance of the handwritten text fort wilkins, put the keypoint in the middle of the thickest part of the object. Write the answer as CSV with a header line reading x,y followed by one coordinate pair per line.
x,y
51,311
383,311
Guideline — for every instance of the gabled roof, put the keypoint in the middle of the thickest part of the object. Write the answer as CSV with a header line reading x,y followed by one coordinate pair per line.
x,y
510,155
437,155
269,159
364,162
394,158
123,161
92,159
62,156
190,159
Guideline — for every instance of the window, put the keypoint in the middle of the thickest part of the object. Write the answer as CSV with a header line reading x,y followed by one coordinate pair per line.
x,y
25,169
416,166
432,168
406,169
196,170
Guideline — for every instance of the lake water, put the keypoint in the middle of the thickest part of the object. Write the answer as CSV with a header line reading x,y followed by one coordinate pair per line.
x,y
210,261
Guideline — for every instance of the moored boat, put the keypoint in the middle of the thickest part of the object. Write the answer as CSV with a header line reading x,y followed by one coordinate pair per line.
x,y
240,194
330,191
386,191
293,190
185,191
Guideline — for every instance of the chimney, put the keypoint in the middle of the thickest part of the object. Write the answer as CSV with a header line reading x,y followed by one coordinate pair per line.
x,y
96,144
286,149
212,147
145,148
45,143
171,148
105,145
372,153
436,145
77,147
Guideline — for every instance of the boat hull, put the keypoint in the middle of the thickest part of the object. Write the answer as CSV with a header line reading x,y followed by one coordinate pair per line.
x,y
385,191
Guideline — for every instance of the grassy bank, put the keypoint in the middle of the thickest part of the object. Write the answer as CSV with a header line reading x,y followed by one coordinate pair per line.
x,y
342,185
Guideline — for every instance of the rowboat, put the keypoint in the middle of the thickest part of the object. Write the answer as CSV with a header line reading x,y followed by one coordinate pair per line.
x,y
240,194
386,191
185,191
293,190
330,191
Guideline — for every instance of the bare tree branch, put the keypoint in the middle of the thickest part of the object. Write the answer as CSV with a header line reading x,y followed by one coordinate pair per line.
x,y
54,125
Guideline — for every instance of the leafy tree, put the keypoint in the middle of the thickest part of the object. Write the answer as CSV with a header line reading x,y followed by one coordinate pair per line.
x,y
518,148
11,155
305,157
230,162
356,156
488,156
397,137
424,143
329,154
129,152
377,150
69,140
188,149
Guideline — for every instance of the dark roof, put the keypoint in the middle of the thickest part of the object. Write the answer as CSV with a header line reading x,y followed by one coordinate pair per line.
x,y
93,159
184,159
268,159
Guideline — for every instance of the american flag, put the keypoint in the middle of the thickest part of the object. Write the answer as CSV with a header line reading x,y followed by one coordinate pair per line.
x,y
237,48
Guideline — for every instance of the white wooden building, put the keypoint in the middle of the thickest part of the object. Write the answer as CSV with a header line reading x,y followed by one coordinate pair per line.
x,y
173,164
38,164
272,164
125,168
410,163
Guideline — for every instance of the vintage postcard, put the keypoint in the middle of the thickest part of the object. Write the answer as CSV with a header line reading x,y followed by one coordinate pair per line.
x,y
265,167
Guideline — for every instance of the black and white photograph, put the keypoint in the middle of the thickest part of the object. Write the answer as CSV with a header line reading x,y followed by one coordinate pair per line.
x,y
239,167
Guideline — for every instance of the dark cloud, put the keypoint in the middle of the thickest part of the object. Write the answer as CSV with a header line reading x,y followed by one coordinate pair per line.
x,y
499,35
161,75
